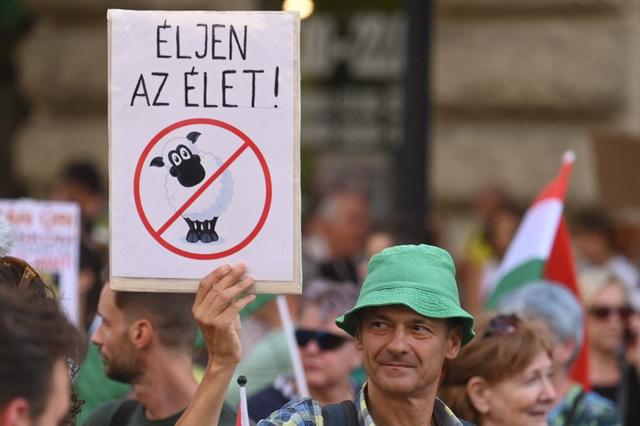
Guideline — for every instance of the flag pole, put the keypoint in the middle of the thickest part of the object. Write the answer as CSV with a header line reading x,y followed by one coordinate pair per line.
x,y
243,409
287,325
569,156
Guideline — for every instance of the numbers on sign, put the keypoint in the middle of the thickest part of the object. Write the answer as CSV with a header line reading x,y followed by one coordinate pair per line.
x,y
372,46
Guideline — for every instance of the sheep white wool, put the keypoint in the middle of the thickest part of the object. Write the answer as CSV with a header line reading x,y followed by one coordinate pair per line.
x,y
172,145
212,202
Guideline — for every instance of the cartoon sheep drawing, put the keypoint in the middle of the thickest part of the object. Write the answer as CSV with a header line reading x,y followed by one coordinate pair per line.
x,y
187,168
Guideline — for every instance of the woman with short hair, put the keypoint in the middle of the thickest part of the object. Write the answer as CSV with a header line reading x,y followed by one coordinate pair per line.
x,y
502,377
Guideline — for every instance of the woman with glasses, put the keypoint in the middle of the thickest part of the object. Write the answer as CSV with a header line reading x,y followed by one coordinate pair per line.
x,y
328,353
608,313
502,377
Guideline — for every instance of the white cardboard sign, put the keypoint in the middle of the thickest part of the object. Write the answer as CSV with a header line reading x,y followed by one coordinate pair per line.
x,y
204,147
47,236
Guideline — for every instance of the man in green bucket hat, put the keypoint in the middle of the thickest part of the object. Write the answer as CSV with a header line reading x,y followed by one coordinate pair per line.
x,y
407,322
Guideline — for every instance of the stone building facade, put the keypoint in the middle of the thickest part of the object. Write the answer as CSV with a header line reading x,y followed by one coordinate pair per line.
x,y
516,82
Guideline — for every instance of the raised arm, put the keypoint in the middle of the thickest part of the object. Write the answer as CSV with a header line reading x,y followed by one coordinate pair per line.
x,y
216,309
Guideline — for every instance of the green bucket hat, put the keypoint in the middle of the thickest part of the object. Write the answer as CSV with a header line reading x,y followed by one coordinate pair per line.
x,y
420,277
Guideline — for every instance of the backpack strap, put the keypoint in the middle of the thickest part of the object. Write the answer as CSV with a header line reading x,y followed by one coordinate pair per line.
x,y
123,413
574,408
622,392
341,414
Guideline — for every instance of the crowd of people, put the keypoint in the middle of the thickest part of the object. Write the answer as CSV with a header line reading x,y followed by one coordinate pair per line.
x,y
390,322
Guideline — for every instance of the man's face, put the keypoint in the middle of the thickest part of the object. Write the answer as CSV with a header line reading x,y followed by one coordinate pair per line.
x,y
118,352
403,351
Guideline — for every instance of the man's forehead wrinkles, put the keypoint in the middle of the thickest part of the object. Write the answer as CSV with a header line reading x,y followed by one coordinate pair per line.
x,y
395,313
379,316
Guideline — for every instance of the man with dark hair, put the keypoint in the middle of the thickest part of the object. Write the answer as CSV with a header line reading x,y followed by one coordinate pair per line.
x,y
36,342
146,339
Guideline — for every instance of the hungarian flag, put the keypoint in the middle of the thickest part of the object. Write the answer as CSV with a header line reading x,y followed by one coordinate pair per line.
x,y
541,249
241,418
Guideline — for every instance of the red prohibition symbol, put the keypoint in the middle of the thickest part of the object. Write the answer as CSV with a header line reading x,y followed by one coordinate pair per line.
x,y
247,144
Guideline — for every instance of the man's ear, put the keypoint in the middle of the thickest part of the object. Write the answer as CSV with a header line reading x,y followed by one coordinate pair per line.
x,y
358,334
479,393
454,342
16,413
356,357
141,333
359,344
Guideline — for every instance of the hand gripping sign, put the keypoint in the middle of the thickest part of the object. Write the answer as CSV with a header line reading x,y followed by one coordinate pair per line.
x,y
204,148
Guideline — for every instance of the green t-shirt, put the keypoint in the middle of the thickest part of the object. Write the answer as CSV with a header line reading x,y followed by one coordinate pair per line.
x,y
93,385
103,416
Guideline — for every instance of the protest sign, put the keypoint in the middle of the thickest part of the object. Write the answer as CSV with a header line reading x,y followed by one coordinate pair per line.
x,y
47,236
204,148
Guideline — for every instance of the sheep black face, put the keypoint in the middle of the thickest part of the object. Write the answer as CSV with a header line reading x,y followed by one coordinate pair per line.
x,y
185,166
186,169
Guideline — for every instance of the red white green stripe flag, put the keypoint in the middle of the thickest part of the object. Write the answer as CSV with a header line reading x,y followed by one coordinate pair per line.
x,y
541,249
536,239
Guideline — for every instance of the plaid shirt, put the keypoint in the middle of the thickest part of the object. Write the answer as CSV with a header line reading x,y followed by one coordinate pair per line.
x,y
308,412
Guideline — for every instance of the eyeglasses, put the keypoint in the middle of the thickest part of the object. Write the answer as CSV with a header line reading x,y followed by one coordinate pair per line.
x,y
502,325
74,409
326,341
604,312
28,273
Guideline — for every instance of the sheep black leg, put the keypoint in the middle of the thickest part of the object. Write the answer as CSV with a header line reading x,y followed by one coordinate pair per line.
x,y
199,226
212,223
206,236
192,234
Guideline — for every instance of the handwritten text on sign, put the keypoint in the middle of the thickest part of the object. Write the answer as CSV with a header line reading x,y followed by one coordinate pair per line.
x,y
206,89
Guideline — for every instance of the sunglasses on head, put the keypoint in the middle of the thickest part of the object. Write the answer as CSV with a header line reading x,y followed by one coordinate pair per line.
x,y
28,273
604,312
502,325
326,341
